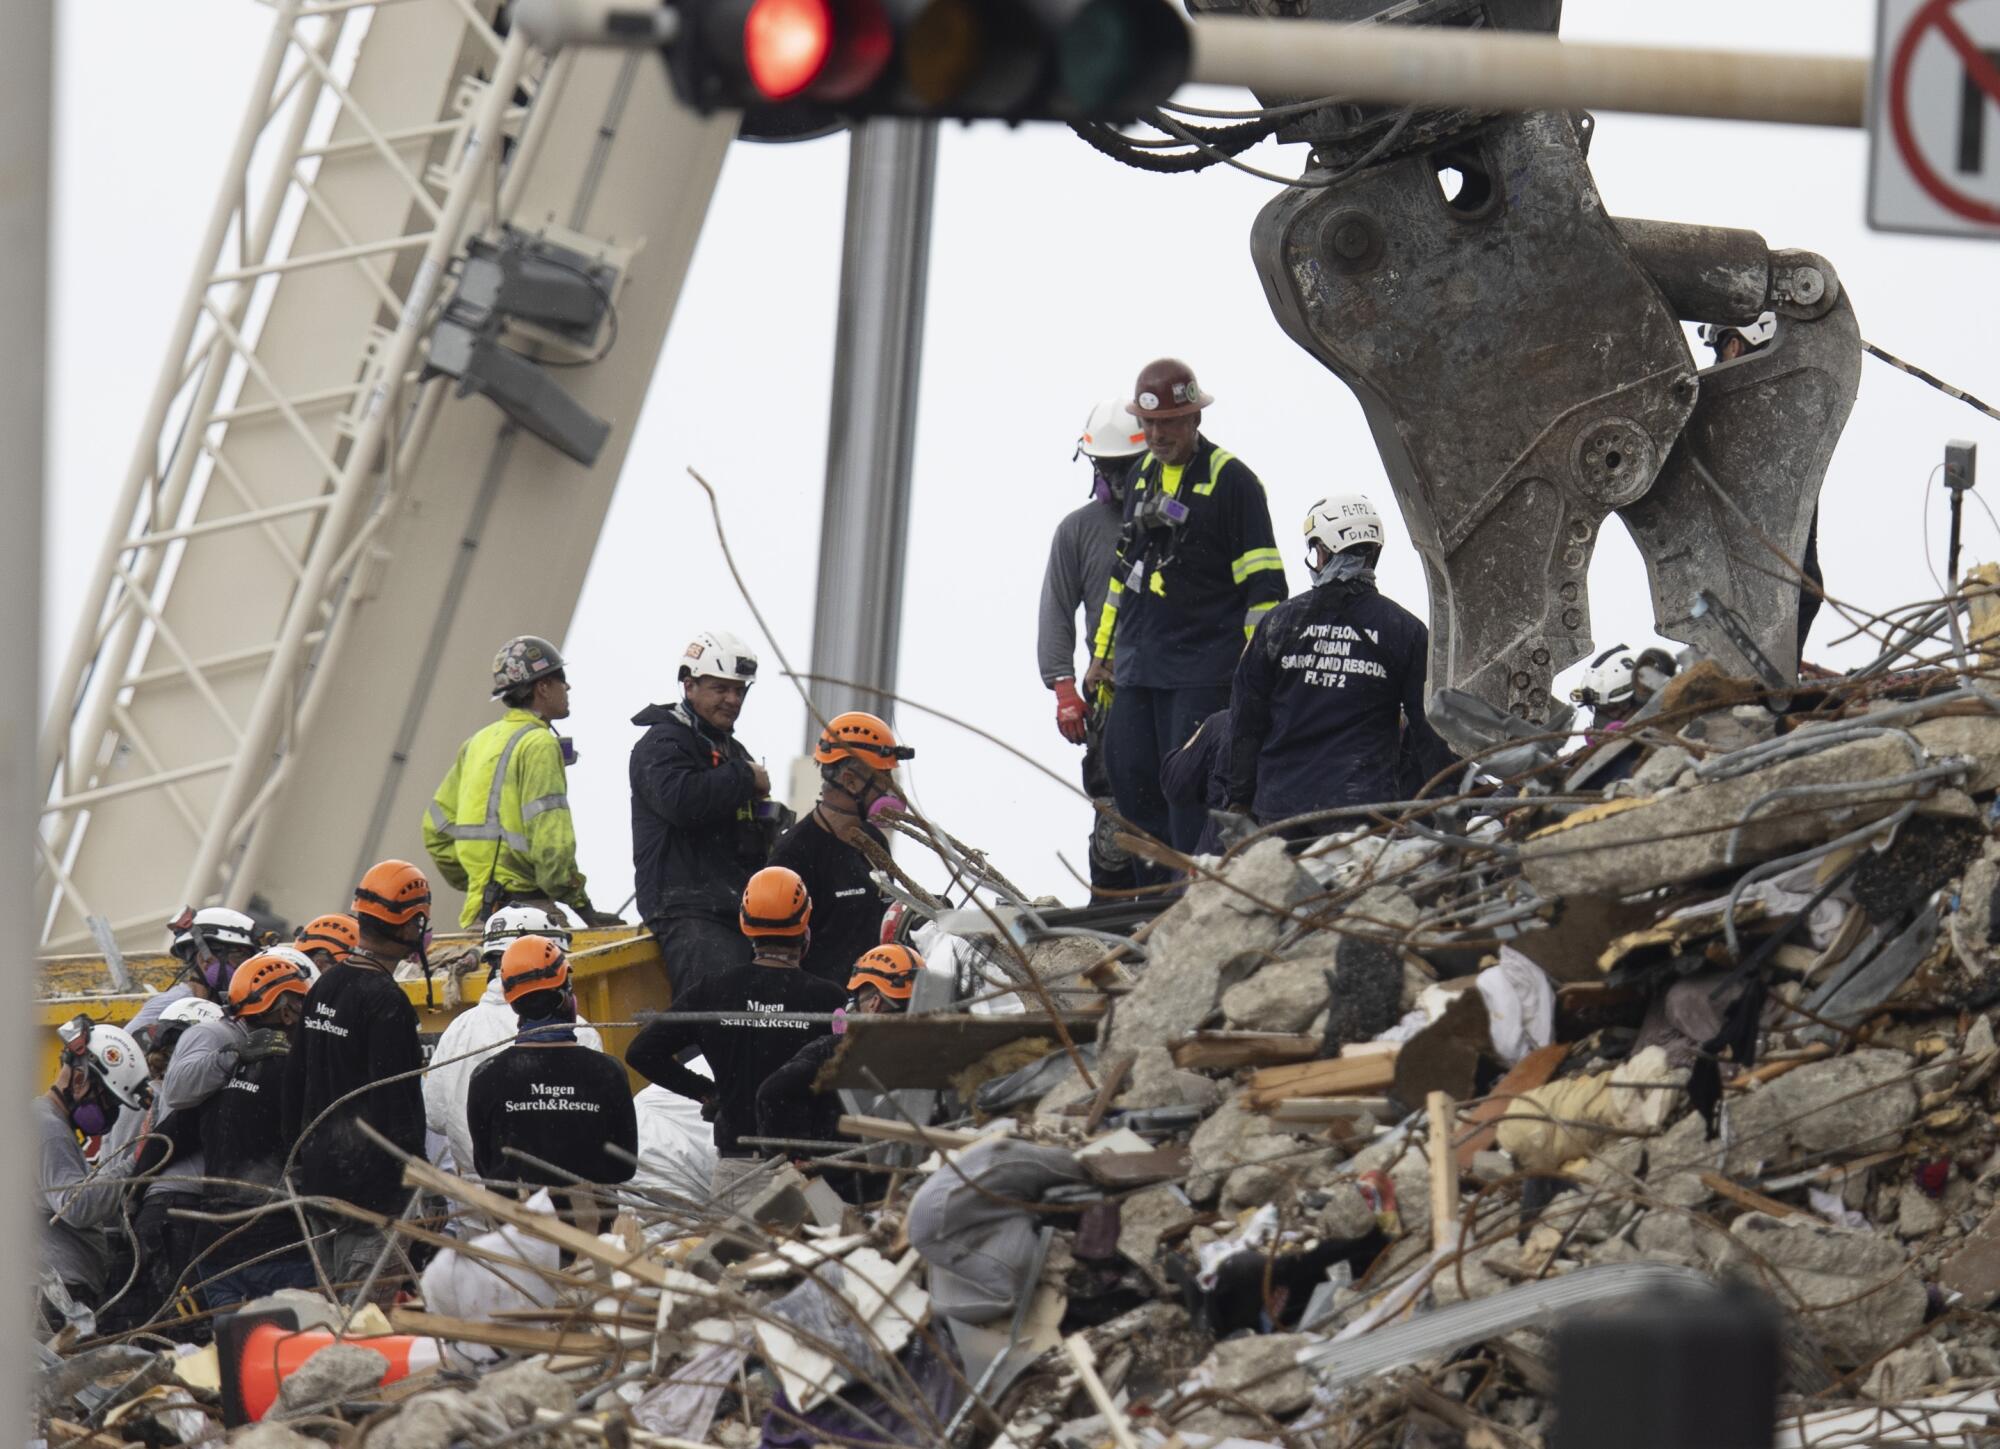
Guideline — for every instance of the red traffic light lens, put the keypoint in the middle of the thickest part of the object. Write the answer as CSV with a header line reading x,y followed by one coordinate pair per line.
x,y
786,44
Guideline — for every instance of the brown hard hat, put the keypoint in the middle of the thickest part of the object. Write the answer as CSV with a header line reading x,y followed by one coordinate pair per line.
x,y
1166,389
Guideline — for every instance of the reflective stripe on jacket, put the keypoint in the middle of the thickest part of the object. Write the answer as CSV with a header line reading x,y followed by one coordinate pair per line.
x,y
1200,582
502,815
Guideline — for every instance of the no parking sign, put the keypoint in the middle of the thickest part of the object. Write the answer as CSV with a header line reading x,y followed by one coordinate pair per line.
x,y
1934,118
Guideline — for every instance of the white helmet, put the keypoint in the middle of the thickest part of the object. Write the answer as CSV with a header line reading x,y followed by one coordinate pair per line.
x,y
510,922
1754,334
110,1055
213,926
1608,681
189,1010
297,957
1111,432
719,655
1344,521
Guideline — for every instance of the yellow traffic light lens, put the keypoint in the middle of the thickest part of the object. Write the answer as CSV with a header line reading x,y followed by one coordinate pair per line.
x,y
943,50
786,44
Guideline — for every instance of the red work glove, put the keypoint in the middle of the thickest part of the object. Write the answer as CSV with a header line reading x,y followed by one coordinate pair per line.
x,y
1070,713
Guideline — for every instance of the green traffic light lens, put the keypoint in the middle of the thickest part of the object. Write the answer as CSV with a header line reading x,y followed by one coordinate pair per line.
x,y
1117,57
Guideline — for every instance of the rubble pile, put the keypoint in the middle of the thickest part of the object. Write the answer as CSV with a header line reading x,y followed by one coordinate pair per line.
x,y
1324,1153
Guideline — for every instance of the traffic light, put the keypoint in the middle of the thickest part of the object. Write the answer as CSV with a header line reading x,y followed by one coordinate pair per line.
x,y
1015,60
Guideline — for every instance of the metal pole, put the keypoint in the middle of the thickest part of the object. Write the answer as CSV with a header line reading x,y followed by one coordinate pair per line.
x,y
1511,71
864,529
26,62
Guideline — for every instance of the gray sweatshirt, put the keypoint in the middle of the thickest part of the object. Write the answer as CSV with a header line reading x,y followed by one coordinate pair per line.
x,y
78,1248
202,1062
1078,577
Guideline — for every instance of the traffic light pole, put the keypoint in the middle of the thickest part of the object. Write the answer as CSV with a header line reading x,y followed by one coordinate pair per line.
x,y
878,347
1514,71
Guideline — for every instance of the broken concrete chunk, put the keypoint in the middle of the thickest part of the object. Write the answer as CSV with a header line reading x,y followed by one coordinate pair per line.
x,y
1157,1082
1973,1272
1867,1296
1209,939
1233,1137
1899,1376
518,1390
1848,1105
1280,996
1662,768
1259,1372
338,1371
1671,839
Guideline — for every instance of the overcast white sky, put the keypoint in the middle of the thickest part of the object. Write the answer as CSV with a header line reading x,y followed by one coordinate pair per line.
x,y
1055,274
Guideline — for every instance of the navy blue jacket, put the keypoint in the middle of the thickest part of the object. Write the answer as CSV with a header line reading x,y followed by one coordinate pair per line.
x,y
1320,703
1182,599
696,840
1197,773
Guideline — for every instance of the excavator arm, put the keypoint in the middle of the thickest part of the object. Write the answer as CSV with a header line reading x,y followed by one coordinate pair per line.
x,y
1520,357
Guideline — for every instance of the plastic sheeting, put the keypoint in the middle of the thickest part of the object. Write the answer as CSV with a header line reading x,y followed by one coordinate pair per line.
x,y
683,1406
676,1148
1520,1006
462,1286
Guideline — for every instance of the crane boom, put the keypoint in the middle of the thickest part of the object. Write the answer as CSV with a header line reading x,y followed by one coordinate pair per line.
x,y
318,545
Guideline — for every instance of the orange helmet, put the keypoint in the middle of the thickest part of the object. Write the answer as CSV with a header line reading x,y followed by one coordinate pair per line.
x,y
393,893
862,737
891,970
260,981
775,903
335,935
531,964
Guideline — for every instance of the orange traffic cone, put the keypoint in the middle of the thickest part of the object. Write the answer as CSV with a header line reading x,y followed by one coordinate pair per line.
x,y
258,1351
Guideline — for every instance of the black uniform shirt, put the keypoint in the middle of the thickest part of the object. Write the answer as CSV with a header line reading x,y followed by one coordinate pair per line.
x,y
559,1102
358,1028
1320,698
742,1050
846,907
243,1139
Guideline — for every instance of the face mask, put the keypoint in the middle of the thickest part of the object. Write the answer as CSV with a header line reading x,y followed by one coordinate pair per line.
x,y
94,1118
1341,567
885,803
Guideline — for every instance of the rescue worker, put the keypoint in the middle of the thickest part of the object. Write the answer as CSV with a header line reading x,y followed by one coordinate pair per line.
x,y
755,1034
882,984
1078,572
857,756
1197,568
1619,682
1330,682
103,1075
701,819
1729,344
327,940
169,1155
464,1047
210,944
549,1095
1197,774
243,1139
499,828
360,1030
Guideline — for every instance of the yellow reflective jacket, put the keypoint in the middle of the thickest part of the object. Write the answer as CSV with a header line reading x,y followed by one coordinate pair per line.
x,y
502,814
